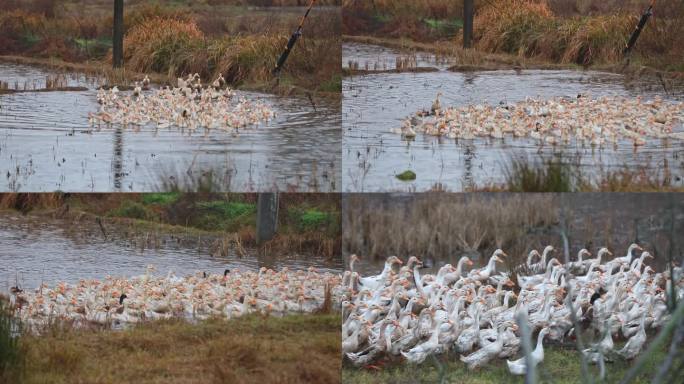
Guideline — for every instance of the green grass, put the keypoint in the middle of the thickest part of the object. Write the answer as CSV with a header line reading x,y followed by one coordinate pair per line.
x,y
227,208
131,209
160,198
313,219
224,215
332,85
560,366
444,26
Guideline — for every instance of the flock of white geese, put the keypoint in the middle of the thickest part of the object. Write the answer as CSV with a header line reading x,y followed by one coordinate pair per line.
x,y
476,313
190,105
118,302
583,120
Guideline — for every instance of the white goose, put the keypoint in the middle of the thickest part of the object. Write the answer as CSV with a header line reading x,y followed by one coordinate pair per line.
x,y
519,367
483,274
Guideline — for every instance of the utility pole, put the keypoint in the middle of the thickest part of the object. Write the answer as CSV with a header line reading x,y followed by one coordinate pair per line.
x,y
267,216
468,16
117,39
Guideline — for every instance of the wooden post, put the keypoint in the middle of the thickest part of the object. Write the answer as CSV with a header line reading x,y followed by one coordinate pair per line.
x,y
267,217
117,39
468,16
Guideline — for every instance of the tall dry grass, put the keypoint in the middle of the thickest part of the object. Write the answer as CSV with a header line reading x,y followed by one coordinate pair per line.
x,y
174,38
531,28
163,45
26,202
176,47
443,226
582,32
250,349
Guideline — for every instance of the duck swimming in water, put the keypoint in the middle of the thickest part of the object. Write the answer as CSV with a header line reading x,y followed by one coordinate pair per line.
x,y
558,121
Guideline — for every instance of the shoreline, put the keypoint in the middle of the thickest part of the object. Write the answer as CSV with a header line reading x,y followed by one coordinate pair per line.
x,y
123,77
475,60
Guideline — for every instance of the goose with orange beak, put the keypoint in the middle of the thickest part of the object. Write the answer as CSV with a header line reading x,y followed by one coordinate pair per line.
x,y
483,274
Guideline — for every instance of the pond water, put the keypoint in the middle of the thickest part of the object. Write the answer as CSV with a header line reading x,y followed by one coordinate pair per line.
x,y
46,144
374,104
380,58
40,249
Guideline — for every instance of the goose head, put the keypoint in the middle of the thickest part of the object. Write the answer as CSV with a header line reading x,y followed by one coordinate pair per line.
x,y
542,334
530,256
582,253
548,249
353,259
392,260
603,251
633,247
499,253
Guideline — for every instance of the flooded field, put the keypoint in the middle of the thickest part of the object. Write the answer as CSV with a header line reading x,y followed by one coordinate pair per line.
x,y
38,249
374,104
47,144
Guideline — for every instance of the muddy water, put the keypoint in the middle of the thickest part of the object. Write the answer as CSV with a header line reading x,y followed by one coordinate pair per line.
x,y
38,249
376,103
594,220
46,144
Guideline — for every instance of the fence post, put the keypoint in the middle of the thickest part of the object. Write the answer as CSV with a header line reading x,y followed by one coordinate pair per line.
x,y
117,39
267,217
468,16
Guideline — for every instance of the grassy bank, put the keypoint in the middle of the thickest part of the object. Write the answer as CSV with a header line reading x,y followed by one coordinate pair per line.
x,y
567,175
172,38
588,33
306,223
252,349
559,366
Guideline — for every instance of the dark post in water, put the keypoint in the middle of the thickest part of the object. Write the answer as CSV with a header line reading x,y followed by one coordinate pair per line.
x,y
468,16
267,217
117,39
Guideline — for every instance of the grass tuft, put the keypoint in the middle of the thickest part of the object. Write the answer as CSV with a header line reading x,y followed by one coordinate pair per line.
x,y
10,355
551,176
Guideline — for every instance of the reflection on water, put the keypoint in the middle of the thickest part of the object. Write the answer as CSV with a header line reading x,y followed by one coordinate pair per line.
x,y
46,144
40,249
380,58
374,104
